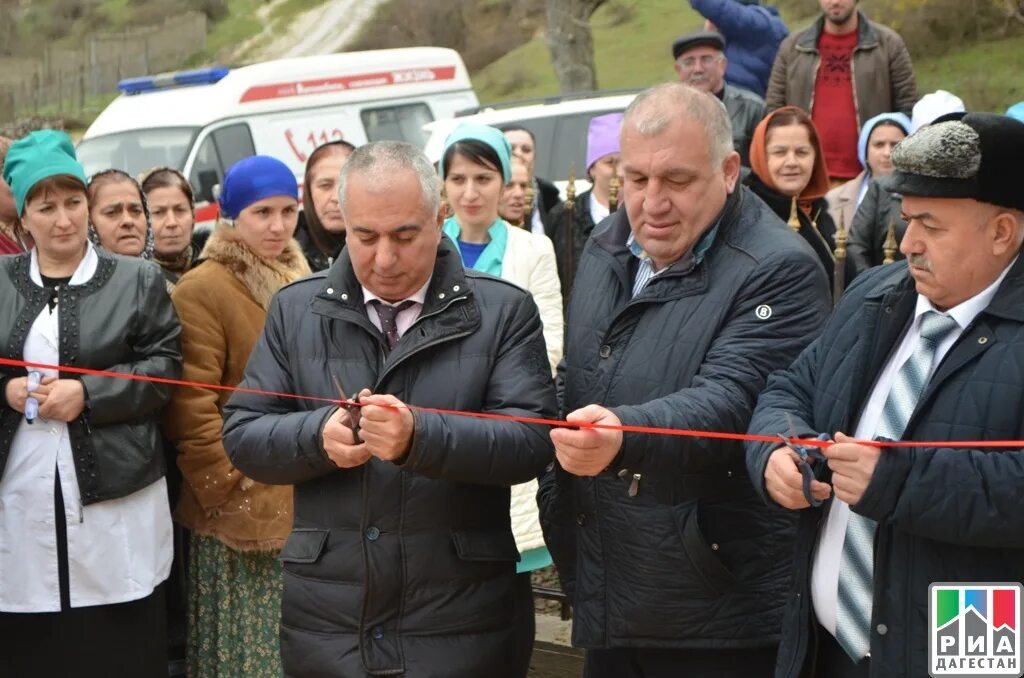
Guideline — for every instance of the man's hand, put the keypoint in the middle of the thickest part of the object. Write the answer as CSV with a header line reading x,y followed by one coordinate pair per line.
x,y
852,466
588,451
340,444
785,484
386,425
60,399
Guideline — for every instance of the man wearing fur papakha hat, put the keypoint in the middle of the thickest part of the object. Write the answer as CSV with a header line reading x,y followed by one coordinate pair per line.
x,y
930,349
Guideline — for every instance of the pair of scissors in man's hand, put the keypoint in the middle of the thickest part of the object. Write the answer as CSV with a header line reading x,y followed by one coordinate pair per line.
x,y
806,454
352,409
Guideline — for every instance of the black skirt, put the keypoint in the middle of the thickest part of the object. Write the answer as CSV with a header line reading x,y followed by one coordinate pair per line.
x,y
127,640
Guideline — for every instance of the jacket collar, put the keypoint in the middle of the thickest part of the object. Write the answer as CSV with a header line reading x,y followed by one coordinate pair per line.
x,y
614,235
866,35
1007,304
341,291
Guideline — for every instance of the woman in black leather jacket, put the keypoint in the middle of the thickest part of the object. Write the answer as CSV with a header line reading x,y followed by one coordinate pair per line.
x,y
85,528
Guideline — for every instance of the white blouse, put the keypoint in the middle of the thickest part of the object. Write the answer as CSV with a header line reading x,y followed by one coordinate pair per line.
x,y
118,550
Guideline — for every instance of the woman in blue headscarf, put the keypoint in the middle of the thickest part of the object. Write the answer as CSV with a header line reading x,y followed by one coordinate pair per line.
x,y
238,526
878,137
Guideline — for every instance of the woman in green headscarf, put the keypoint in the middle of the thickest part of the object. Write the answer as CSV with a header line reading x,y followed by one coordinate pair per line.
x,y
476,168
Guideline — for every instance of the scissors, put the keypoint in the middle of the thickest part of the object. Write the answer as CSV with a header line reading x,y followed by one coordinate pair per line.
x,y
353,411
807,454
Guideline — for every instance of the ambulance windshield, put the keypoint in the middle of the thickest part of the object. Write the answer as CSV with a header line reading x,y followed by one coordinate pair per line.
x,y
137,151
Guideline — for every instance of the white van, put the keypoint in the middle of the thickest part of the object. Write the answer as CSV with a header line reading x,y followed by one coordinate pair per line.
x,y
203,121
558,123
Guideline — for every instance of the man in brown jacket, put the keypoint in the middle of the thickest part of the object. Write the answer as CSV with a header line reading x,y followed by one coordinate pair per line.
x,y
843,70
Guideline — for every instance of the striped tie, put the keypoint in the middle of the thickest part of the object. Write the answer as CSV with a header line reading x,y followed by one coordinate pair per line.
x,y
853,619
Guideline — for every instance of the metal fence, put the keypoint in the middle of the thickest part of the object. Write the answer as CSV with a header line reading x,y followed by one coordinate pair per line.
x,y
68,81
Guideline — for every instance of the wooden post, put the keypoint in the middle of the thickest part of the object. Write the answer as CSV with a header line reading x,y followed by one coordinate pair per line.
x,y
890,246
839,272
613,194
794,218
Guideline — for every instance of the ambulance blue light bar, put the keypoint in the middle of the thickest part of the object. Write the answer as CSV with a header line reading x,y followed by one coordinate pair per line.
x,y
152,83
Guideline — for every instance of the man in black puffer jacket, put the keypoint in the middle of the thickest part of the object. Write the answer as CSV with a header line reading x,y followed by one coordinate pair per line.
x,y
402,559
930,514
673,566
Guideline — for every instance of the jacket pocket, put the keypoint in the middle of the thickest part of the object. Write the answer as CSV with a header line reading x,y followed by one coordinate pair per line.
x,y
304,545
707,565
485,545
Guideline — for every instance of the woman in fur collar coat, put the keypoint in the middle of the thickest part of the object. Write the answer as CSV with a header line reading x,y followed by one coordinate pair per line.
x,y
237,525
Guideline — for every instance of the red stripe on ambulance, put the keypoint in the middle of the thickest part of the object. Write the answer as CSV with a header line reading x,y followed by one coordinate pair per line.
x,y
325,85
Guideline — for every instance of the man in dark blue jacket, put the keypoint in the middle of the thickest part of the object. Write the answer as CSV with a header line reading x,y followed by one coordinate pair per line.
x,y
930,349
752,34
695,292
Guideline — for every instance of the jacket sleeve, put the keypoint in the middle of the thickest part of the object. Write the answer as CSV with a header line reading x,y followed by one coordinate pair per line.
x,y
747,348
901,75
957,496
775,97
786,400
154,341
547,294
491,452
787,403
192,420
733,19
268,437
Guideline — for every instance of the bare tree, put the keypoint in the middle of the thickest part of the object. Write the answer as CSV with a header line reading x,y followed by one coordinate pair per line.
x,y
571,44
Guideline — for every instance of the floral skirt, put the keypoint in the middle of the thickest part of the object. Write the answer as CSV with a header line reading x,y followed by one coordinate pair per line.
x,y
234,608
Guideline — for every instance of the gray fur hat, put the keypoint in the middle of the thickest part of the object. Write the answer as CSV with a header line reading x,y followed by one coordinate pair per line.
x,y
962,155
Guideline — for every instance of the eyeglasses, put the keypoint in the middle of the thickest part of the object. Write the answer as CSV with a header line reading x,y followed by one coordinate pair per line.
x,y
705,61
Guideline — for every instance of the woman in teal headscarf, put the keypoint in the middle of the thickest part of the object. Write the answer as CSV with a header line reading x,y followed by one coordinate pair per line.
x,y
476,168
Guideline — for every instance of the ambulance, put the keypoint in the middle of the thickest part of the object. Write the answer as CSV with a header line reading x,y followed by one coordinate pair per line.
x,y
203,121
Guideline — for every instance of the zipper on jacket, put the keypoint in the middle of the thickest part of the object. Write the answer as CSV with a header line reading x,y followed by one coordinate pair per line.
x,y
853,86
817,70
821,237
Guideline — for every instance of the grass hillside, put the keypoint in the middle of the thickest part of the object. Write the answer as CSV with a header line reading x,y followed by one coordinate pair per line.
x,y
631,44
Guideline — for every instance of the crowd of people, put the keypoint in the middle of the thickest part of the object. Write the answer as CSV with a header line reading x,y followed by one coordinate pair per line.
x,y
342,513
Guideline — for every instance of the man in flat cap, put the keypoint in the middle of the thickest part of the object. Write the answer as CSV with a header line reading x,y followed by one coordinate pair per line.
x,y
701,63
930,349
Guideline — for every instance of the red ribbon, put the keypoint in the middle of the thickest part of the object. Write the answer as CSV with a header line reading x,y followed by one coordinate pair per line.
x,y
625,428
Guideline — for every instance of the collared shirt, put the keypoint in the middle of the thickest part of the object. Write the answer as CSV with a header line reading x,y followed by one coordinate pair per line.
x,y
825,570
405,319
597,210
645,271
118,550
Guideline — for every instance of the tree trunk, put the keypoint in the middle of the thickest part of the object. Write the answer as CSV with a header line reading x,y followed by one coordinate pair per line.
x,y
571,44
